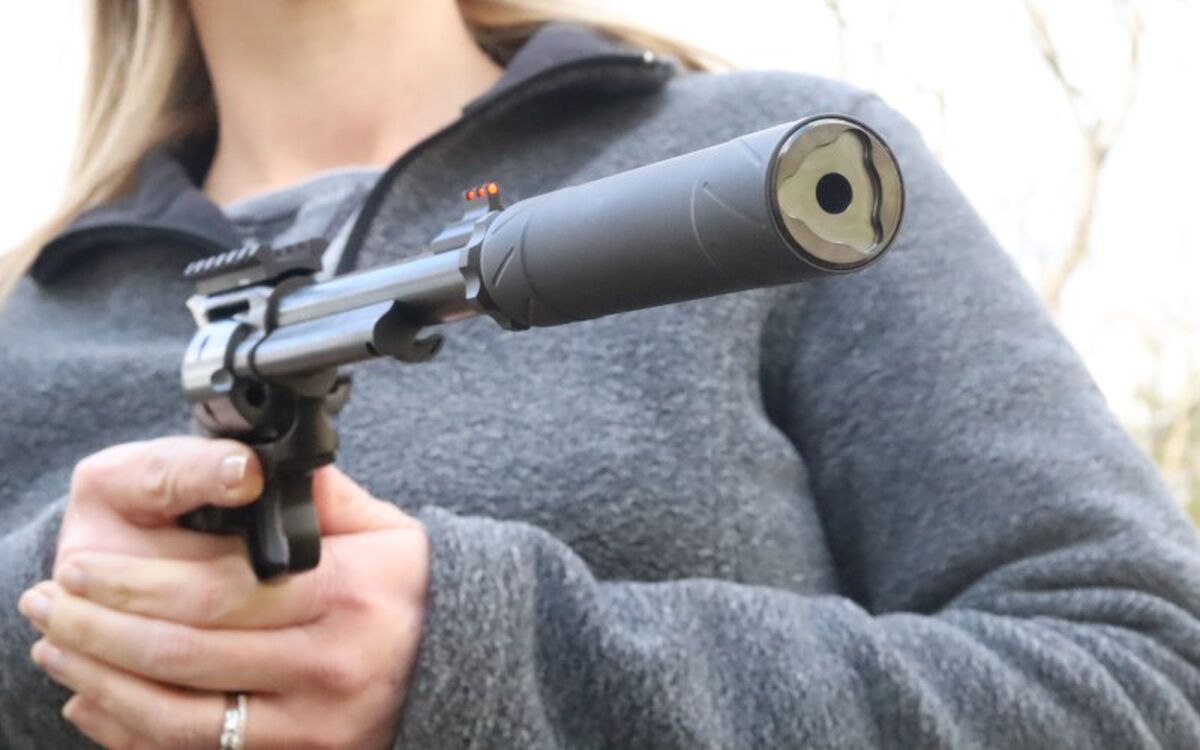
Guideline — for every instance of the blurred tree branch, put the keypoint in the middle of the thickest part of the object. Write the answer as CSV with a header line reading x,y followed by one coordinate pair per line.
x,y
1172,431
1098,133
1171,394
835,7
879,64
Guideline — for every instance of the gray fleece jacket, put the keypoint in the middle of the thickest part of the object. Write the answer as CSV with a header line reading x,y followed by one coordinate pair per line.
x,y
884,510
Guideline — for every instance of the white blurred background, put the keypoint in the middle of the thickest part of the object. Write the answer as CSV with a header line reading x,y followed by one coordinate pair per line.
x,y
1069,123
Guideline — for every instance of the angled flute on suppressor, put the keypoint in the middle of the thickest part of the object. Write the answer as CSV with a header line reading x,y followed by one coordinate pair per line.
x,y
795,202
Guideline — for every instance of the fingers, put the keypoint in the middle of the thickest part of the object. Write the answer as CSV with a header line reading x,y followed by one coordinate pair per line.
x,y
155,481
219,660
343,507
95,534
218,593
95,723
117,709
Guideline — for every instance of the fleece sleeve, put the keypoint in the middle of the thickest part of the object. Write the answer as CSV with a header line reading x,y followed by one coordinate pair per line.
x,y
1014,574
29,701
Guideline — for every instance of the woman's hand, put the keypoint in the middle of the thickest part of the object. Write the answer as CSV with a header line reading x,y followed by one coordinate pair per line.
x,y
127,498
151,625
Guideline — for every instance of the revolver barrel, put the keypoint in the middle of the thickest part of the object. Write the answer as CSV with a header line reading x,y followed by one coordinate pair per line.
x,y
791,203
799,201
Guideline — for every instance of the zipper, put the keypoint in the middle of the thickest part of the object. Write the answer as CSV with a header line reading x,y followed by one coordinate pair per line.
x,y
186,240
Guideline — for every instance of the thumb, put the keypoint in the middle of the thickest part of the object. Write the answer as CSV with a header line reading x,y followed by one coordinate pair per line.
x,y
343,507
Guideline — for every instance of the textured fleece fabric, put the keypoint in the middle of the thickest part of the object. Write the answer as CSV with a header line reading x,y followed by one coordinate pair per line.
x,y
325,205
887,510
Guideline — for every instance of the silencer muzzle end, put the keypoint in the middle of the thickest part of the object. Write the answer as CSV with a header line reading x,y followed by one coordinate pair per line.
x,y
836,192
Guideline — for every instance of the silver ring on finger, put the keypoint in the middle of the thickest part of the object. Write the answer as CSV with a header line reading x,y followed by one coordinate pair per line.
x,y
233,727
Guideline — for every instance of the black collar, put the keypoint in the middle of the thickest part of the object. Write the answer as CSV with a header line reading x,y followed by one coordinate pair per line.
x,y
168,205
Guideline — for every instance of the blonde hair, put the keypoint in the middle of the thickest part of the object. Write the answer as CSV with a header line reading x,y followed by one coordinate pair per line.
x,y
147,85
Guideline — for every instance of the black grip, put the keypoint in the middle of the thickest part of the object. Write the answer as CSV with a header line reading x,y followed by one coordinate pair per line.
x,y
283,536
692,226
280,527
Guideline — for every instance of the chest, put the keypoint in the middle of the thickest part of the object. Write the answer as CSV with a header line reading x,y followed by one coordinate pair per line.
x,y
640,440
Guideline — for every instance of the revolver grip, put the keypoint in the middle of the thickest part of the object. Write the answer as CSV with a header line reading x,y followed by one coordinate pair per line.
x,y
283,536
280,527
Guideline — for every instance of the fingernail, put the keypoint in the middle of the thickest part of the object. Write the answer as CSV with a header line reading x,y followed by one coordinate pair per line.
x,y
233,471
78,712
74,579
48,656
35,605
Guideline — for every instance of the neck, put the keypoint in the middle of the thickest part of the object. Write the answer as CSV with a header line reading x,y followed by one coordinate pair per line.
x,y
307,85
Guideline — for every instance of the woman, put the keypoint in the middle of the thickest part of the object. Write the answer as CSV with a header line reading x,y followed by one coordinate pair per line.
x,y
888,510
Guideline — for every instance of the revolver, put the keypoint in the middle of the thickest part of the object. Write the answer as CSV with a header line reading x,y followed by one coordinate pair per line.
x,y
799,201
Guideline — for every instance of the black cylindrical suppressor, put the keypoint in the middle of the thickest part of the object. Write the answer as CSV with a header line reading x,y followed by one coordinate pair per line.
x,y
798,201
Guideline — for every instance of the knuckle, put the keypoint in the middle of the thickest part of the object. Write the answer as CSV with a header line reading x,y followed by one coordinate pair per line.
x,y
98,688
88,476
162,727
185,734
117,594
338,586
330,590
71,630
212,601
225,595
338,673
173,651
156,479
